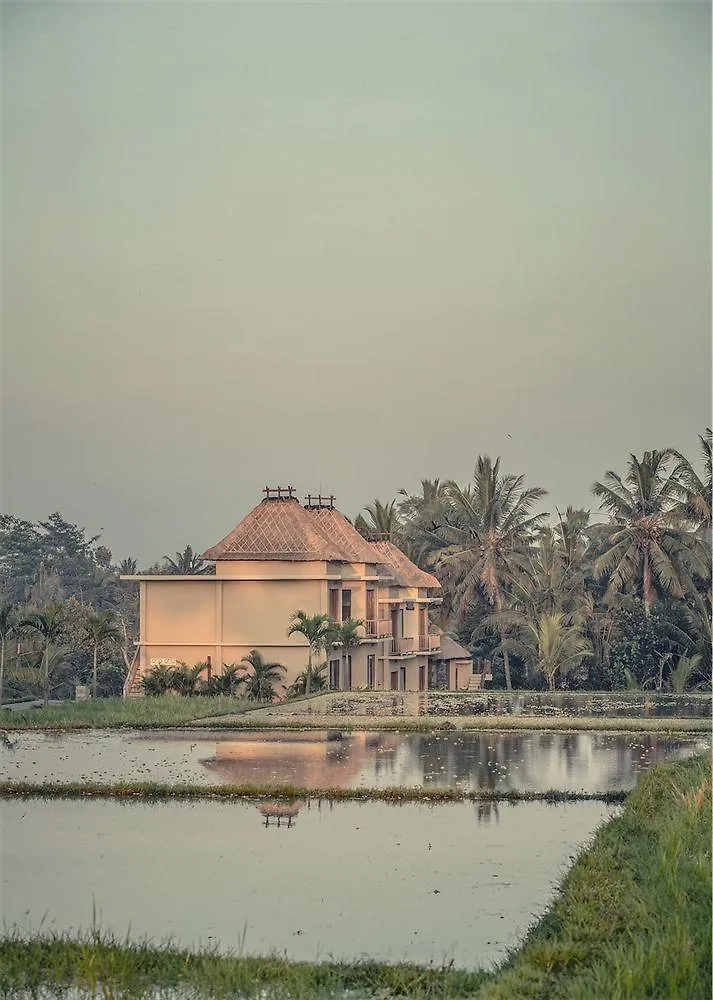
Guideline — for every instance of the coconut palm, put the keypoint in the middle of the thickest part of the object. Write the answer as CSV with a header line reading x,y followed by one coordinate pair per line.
x,y
311,679
319,631
489,534
187,563
128,567
101,628
648,550
48,627
8,626
382,519
553,642
347,638
261,677
695,495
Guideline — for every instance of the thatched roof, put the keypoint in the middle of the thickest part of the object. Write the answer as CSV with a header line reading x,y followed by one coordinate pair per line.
x,y
400,567
277,529
452,650
340,532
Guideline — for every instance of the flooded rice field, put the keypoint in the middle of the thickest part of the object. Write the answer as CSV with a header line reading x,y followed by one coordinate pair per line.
x,y
458,882
521,761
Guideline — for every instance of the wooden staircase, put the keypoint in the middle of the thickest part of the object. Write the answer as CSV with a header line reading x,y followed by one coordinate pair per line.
x,y
475,682
133,688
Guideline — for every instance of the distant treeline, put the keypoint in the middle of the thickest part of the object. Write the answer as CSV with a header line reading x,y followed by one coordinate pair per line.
x,y
554,600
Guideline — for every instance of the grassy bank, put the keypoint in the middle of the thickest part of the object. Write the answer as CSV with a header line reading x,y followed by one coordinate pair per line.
x,y
117,713
633,917
155,791
631,921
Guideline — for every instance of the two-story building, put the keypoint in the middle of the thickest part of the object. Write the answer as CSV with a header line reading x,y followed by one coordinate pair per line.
x,y
283,557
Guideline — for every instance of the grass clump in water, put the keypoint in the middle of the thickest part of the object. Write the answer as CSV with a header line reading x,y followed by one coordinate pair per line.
x,y
116,713
633,918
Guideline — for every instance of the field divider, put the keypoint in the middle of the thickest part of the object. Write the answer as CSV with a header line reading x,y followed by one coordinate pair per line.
x,y
154,791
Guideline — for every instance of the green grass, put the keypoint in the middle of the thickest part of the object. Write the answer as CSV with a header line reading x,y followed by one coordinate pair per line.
x,y
115,713
633,917
156,791
632,921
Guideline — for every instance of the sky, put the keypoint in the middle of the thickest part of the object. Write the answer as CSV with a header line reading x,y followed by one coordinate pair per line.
x,y
345,247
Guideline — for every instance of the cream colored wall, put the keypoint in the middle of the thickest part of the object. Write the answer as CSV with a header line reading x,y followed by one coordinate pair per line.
x,y
260,612
179,611
272,569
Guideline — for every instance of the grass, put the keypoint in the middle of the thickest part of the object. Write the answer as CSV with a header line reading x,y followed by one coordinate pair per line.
x,y
633,917
632,921
156,791
116,713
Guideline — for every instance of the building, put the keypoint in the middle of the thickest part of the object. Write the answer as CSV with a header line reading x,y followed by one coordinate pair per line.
x,y
282,557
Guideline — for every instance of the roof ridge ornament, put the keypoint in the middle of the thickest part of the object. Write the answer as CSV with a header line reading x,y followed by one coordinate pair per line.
x,y
319,502
280,493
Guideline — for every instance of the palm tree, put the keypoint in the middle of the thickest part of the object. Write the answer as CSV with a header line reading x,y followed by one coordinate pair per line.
x,y
101,628
187,563
648,549
311,679
128,567
552,641
261,679
695,496
423,515
347,637
489,533
48,626
318,630
158,680
184,679
383,519
229,680
8,625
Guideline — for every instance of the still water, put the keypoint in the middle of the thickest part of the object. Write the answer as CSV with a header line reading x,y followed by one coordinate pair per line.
x,y
528,761
448,882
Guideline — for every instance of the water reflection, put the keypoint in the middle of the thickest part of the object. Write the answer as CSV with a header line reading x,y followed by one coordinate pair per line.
x,y
495,761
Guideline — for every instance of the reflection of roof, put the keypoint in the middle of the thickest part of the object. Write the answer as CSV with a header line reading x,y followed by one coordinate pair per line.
x,y
452,650
276,529
404,572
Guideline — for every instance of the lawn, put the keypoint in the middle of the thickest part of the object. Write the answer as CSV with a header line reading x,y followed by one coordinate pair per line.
x,y
114,713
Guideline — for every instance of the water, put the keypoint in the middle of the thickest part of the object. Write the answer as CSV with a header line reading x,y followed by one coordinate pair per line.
x,y
621,704
408,882
527,761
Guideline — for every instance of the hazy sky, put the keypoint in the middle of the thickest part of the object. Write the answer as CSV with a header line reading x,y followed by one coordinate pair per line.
x,y
345,246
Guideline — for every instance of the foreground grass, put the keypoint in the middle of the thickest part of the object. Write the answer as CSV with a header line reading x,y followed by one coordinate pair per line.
x,y
116,713
156,791
632,921
633,917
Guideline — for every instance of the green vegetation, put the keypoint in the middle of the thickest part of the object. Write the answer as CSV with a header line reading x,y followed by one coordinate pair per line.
x,y
632,920
157,791
633,917
572,603
115,713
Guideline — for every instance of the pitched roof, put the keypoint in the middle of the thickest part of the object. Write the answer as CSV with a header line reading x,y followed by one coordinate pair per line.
x,y
404,572
277,529
336,529
452,650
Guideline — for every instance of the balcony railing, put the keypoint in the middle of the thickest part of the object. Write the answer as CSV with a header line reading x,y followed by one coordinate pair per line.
x,y
371,628
402,647
384,628
429,643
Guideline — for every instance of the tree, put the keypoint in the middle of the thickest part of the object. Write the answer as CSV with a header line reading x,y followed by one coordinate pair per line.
x,y
649,552
128,567
261,677
552,641
184,679
347,638
383,519
8,625
102,628
311,679
319,631
48,626
489,533
187,563
694,499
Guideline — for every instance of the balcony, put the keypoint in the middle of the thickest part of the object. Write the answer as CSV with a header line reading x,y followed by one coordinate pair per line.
x,y
371,630
403,647
429,643
383,626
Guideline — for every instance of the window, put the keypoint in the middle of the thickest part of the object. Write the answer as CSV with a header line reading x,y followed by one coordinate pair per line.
x,y
370,605
334,604
371,671
346,604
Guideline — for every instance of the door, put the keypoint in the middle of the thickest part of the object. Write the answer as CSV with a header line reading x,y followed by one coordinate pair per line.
x,y
348,674
334,674
421,678
402,672
394,680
